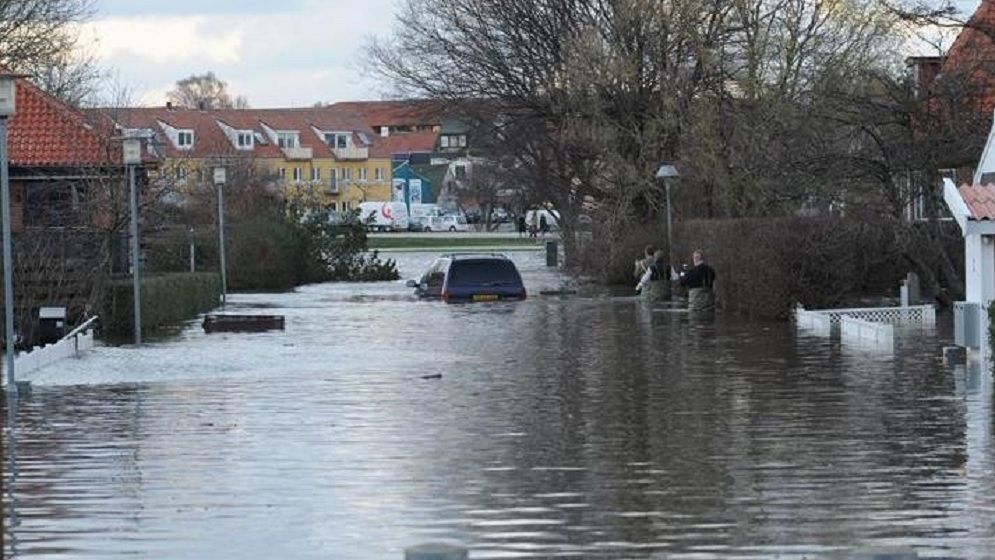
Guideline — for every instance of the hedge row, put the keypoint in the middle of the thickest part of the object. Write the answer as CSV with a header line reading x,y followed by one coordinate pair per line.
x,y
167,300
766,266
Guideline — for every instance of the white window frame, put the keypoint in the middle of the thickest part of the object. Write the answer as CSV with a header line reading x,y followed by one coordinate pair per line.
x,y
444,141
244,139
363,174
184,134
282,172
462,140
315,173
378,174
345,173
297,174
282,137
333,206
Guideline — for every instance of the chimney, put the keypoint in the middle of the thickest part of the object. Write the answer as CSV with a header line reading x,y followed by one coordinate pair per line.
x,y
202,105
169,105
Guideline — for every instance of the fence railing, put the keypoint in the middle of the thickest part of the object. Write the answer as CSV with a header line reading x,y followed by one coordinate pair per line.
x,y
76,342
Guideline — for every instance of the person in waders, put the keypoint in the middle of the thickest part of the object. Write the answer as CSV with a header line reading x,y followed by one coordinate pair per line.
x,y
654,285
699,281
644,263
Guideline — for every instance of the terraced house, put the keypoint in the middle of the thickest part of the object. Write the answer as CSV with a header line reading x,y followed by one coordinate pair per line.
x,y
325,155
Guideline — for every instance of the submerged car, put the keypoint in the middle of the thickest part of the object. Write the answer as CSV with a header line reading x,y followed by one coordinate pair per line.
x,y
459,277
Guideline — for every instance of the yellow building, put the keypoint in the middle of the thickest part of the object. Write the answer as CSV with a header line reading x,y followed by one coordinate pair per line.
x,y
322,156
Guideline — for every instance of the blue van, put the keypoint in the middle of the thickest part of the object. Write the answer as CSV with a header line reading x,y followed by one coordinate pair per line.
x,y
465,277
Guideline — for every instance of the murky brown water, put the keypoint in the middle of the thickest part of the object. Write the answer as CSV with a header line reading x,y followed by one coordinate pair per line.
x,y
588,427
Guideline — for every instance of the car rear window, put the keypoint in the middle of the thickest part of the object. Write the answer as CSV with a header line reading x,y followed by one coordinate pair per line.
x,y
483,271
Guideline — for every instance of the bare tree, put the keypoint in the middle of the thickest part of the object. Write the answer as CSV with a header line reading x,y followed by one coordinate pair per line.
x,y
205,91
41,38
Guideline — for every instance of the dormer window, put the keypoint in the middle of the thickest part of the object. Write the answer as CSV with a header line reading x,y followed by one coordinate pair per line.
x,y
286,139
452,141
337,140
184,139
244,139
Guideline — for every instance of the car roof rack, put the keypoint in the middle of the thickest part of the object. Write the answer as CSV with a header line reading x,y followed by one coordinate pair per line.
x,y
465,254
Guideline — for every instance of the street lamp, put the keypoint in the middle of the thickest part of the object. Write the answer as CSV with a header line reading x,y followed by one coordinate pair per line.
x,y
8,100
131,150
666,173
219,181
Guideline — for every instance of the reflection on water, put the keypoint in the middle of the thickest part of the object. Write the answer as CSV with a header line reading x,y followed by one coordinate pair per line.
x,y
587,427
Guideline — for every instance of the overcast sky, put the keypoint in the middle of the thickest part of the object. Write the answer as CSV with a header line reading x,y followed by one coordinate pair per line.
x,y
278,53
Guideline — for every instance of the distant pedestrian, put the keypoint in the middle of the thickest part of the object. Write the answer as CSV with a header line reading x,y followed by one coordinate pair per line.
x,y
533,225
699,281
521,226
654,284
543,225
643,263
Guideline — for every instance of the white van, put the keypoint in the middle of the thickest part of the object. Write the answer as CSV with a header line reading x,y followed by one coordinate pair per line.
x,y
445,223
384,216
421,210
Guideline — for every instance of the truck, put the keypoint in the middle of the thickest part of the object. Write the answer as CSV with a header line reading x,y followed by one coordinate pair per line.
x,y
384,216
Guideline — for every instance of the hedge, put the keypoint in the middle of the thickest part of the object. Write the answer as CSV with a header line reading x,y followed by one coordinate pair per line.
x,y
766,266
167,300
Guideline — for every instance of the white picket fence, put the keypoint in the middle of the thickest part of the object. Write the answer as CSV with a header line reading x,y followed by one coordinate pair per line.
x,y
867,334
871,327
79,340
911,315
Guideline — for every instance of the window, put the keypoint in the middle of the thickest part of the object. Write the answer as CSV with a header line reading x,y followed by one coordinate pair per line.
x,y
184,139
334,206
286,139
378,173
283,172
362,173
345,174
315,173
444,141
345,206
337,140
244,139
462,140
297,174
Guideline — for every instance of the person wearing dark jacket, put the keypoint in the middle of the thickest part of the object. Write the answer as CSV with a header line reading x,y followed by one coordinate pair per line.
x,y
699,281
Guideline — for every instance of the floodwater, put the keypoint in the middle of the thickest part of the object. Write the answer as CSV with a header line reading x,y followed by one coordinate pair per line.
x,y
585,426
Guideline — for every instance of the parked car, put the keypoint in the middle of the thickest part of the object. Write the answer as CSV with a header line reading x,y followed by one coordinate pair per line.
x,y
499,215
462,277
445,223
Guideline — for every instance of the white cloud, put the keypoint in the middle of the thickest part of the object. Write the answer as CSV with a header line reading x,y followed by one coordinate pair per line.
x,y
166,38
291,58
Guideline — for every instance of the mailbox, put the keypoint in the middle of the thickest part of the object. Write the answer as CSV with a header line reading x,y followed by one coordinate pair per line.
x,y
51,324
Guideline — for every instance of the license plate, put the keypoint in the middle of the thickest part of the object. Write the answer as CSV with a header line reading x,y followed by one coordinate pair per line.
x,y
485,297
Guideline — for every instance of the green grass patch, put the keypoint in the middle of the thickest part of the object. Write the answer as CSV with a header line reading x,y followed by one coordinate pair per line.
x,y
431,242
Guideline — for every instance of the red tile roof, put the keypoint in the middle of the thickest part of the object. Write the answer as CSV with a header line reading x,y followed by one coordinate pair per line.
x,y
45,132
210,140
410,112
980,200
404,143
973,54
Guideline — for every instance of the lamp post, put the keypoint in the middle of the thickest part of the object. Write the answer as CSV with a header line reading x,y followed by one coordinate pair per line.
x,y
666,173
8,98
132,155
219,182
